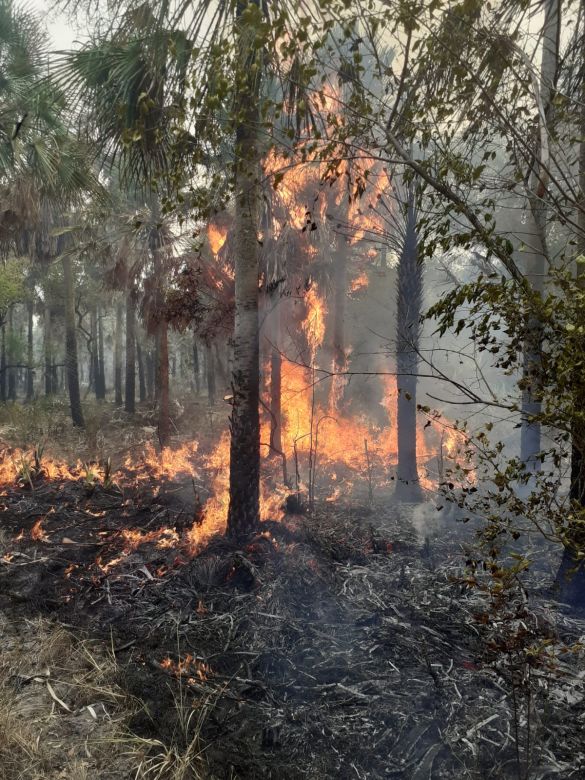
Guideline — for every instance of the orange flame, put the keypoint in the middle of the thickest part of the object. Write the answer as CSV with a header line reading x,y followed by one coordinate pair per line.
x,y
216,236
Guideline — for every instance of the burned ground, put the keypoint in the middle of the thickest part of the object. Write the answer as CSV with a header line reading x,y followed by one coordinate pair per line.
x,y
336,645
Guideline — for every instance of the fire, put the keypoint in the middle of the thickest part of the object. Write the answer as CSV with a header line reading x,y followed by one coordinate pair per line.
x,y
188,666
360,283
216,236
164,537
37,532
169,463
314,323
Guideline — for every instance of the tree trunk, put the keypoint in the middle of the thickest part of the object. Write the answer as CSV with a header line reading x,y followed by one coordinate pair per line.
x,y
30,385
130,385
196,366
48,349
3,366
536,271
100,388
141,376
409,305
210,373
244,505
71,344
95,362
150,374
118,398
339,354
11,356
164,420
220,371
570,579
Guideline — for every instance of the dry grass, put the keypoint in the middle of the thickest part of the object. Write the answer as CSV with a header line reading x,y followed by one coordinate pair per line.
x,y
63,715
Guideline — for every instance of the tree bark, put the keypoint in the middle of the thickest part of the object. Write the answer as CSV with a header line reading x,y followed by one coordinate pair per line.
x,y
71,344
118,397
408,311
30,386
130,385
244,504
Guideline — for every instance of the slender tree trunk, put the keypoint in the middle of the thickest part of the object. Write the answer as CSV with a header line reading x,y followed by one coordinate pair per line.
x,y
150,375
570,578
530,439
118,397
3,383
210,373
196,365
141,372
409,305
30,386
337,384
101,375
275,401
220,371
130,385
11,356
164,420
244,505
95,362
48,349
71,363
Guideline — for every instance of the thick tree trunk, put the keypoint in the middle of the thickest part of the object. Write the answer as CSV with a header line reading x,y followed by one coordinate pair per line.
x,y
244,505
30,385
409,304
164,420
118,397
71,344
11,356
130,385
141,372
210,374
537,254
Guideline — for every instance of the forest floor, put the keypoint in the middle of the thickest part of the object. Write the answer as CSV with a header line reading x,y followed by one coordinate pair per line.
x,y
338,645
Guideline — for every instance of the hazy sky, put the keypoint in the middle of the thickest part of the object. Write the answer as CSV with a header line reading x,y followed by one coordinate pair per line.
x,y
63,34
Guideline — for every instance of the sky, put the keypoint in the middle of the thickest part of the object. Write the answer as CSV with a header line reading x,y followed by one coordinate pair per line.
x,y
62,33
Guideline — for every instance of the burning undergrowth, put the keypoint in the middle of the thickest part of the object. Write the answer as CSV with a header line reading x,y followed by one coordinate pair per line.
x,y
334,645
